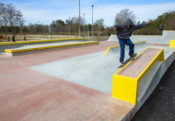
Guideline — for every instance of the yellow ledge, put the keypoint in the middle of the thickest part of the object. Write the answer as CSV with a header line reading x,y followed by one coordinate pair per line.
x,y
126,88
110,48
25,42
172,44
49,47
119,46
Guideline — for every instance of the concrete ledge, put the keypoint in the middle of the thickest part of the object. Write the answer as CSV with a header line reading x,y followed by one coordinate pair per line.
x,y
38,41
109,48
127,79
172,44
17,51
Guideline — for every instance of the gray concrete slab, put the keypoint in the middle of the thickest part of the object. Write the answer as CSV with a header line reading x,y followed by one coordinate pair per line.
x,y
93,70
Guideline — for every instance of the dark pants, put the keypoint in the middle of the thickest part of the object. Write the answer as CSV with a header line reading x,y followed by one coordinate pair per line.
x,y
122,48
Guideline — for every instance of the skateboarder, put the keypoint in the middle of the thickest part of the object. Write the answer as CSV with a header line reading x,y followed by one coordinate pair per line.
x,y
124,33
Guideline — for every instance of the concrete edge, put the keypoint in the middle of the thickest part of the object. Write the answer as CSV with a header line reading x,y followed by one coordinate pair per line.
x,y
130,114
38,41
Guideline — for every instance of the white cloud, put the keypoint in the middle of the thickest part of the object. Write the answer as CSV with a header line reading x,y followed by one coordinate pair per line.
x,y
107,12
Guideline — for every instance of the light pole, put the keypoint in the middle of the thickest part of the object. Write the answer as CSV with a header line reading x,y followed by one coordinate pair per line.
x,y
79,19
92,20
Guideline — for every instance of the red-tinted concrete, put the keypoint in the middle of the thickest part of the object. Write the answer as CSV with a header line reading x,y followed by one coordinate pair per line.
x,y
28,95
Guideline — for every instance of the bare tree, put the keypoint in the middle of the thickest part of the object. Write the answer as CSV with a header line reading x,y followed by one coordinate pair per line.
x,y
14,17
100,25
3,16
10,16
75,23
123,15
75,20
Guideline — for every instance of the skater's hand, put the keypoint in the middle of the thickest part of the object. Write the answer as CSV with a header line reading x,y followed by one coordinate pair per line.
x,y
149,22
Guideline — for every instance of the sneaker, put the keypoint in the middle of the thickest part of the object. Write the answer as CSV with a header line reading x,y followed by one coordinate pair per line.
x,y
122,63
134,55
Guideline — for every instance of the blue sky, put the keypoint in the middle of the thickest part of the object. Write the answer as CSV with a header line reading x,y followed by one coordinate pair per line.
x,y
45,11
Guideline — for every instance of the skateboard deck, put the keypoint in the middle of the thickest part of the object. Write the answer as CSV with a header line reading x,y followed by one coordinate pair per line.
x,y
127,61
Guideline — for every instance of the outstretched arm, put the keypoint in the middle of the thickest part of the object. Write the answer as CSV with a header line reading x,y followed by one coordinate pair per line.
x,y
141,25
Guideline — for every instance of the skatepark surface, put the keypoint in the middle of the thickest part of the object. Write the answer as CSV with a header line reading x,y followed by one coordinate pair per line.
x,y
92,70
28,95
72,84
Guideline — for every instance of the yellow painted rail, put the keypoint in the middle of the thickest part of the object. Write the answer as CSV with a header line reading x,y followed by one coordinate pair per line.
x,y
49,47
172,44
110,48
38,41
126,87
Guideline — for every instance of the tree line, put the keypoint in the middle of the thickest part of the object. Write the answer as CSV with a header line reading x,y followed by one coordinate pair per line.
x,y
167,20
12,22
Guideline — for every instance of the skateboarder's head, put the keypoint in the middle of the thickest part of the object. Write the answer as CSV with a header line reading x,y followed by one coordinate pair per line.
x,y
128,23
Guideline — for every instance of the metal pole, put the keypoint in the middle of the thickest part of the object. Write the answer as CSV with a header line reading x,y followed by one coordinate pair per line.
x,y
79,19
92,20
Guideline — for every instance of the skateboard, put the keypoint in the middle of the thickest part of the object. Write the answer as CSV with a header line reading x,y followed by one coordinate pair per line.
x,y
127,61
